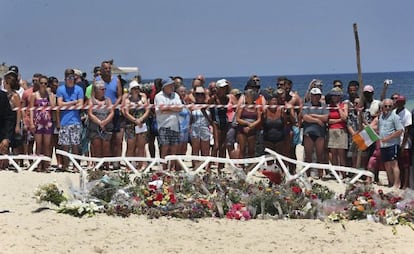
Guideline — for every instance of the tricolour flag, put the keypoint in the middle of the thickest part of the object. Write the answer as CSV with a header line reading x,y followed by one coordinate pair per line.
x,y
365,138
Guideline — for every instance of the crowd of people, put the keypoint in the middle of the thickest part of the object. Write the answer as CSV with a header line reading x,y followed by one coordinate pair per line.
x,y
214,119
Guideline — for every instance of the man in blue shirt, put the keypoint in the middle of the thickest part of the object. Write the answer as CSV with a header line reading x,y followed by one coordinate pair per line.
x,y
390,131
70,121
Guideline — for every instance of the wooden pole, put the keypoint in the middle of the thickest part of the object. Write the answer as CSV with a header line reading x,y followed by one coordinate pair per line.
x,y
361,87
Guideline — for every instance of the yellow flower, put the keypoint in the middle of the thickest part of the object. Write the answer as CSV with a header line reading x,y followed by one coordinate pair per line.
x,y
163,202
156,203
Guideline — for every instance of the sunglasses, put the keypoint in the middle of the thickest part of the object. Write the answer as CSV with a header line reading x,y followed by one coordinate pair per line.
x,y
70,77
43,83
256,80
387,106
394,98
340,86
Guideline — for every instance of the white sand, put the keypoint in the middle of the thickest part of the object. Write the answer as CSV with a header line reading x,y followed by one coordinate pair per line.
x,y
49,232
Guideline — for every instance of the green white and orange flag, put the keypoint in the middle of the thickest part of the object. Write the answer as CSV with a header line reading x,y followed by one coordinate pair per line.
x,y
365,138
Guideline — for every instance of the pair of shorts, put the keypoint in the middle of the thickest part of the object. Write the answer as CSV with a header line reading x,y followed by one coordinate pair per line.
x,y
166,136
390,153
338,139
200,132
70,135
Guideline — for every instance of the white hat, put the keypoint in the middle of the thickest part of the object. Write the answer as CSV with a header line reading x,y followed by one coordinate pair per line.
x,y
315,90
222,83
133,84
77,72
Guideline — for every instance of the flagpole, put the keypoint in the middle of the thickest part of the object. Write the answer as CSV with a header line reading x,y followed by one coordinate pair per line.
x,y
361,85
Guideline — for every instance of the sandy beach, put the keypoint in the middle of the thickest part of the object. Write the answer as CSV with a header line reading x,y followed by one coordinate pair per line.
x,y
23,231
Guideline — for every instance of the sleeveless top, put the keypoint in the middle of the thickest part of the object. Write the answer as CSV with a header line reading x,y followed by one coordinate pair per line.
x,y
334,114
219,115
112,89
101,114
198,119
249,116
43,118
273,130
135,112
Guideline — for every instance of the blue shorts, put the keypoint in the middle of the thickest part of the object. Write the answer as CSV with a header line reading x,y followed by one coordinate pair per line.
x,y
390,153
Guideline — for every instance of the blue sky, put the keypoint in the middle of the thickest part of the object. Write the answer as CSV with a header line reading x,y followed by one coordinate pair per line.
x,y
215,38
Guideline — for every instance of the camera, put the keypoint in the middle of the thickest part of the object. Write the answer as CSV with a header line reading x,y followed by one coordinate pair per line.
x,y
388,81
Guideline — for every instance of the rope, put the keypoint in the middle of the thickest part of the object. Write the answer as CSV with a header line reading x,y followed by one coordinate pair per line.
x,y
188,106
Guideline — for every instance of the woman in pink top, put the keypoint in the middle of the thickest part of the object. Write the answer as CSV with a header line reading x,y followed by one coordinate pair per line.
x,y
338,135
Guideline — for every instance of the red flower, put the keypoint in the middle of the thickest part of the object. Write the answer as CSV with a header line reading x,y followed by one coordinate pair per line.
x,y
159,197
154,177
173,200
381,212
313,196
274,177
296,189
152,187
149,202
367,194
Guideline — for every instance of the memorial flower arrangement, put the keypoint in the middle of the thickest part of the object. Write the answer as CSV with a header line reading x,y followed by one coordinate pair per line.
x,y
191,197
50,193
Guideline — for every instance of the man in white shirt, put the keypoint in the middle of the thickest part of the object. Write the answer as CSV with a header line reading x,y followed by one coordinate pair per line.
x,y
404,159
168,119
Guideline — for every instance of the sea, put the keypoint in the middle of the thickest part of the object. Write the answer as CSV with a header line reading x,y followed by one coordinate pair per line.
x,y
402,82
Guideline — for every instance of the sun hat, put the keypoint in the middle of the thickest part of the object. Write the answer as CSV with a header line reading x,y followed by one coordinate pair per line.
x,y
315,90
222,83
336,91
166,82
133,84
11,73
369,88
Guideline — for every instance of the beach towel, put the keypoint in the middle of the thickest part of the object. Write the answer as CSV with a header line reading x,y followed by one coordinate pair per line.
x,y
365,138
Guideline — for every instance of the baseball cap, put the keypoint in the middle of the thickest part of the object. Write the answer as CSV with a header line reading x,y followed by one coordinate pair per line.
x,y
369,88
315,90
401,98
14,68
222,83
